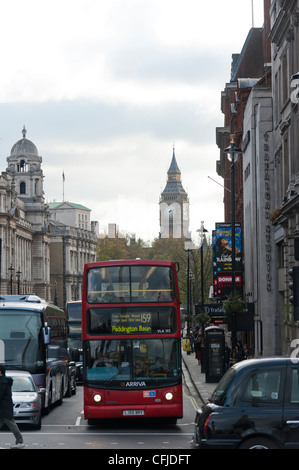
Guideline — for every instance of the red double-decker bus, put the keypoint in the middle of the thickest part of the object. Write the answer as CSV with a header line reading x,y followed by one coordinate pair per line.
x,y
131,340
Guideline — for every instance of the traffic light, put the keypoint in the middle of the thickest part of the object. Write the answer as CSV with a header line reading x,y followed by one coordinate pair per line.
x,y
294,287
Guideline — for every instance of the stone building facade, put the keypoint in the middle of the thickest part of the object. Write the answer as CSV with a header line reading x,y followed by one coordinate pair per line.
x,y
24,223
72,245
284,37
37,254
259,247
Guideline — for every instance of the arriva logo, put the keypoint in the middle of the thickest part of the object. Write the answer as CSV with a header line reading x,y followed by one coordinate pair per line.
x,y
133,384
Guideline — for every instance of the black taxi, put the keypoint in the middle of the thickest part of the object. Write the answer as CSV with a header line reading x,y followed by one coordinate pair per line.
x,y
254,406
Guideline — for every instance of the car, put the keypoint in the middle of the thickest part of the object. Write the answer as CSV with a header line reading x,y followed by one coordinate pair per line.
x,y
72,379
255,405
76,355
27,404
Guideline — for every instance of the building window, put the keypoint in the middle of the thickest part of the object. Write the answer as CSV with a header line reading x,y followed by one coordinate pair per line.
x,y
22,188
285,168
280,255
285,79
22,166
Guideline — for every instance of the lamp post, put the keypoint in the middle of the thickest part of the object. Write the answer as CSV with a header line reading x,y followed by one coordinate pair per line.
x,y
189,245
18,274
188,290
11,269
55,294
232,154
202,231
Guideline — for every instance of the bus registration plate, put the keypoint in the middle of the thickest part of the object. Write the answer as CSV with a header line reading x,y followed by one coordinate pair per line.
x,y
133,412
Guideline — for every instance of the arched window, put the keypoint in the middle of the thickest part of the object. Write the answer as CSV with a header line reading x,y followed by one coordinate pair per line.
x,y
22,166
22,188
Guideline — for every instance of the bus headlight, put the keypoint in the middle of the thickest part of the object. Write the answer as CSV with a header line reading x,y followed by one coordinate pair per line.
x,y
97,398
169,396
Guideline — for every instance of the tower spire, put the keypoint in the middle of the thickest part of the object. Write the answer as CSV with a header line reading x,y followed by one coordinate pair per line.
x,y
174,204
174,168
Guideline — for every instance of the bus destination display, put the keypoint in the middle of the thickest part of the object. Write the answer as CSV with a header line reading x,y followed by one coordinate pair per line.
x,y
132,322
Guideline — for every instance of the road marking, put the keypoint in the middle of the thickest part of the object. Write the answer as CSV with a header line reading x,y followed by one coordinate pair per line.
x,y
193,401
78,420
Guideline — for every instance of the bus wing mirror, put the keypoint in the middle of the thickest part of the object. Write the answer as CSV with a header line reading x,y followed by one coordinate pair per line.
x,y
46,335
177,266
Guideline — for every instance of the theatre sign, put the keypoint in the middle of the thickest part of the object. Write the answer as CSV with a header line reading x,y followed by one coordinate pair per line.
x,y
222,260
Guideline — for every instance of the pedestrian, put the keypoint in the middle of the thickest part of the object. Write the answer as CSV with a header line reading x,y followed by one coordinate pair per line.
x,y
227,357
240,353
246,351
197,348
6,408
192,340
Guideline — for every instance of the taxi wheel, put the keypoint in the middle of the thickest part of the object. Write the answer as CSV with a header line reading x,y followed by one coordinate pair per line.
x,y
258,443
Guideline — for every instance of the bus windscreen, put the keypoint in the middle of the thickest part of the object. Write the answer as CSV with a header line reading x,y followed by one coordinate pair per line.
x,y
115,361
20,345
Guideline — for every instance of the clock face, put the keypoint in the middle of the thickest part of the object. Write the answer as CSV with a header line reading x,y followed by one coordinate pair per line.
x,y
185,211
169,211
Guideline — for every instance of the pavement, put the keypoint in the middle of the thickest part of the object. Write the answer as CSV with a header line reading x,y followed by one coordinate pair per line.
x,y
198,379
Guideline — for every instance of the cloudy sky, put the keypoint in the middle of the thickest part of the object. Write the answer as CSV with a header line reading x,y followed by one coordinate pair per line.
x,y
105,89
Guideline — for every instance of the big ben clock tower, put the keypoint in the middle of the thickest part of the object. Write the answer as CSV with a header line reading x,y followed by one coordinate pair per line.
x,y
174,205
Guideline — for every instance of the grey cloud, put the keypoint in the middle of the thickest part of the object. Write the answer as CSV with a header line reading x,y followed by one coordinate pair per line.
x,y
149,62
86,121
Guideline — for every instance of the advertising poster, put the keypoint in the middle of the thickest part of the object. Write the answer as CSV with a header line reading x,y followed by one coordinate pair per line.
x,y
222,259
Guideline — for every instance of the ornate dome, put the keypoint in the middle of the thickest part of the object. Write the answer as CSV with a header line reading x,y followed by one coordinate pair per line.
x,y
24,147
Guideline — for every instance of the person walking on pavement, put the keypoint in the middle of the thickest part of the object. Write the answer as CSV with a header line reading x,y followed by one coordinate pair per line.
x,y
227,352
6,408
240,353
197,349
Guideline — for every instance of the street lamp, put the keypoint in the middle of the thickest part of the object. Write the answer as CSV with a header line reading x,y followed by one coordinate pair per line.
x,y
18,274
189,245
55,294
188,289
11,269
232,154
202,230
